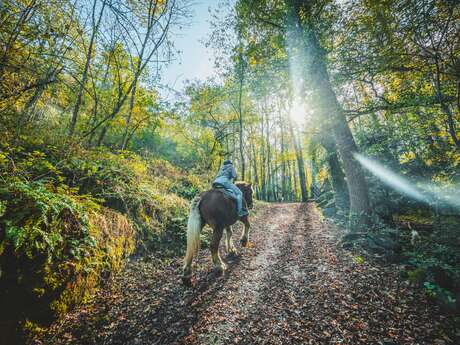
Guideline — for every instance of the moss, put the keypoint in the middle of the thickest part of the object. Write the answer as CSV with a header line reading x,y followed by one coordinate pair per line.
x,y
56,247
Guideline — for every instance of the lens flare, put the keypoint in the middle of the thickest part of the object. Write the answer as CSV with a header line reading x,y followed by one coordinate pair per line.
x,y
430,193
443,195
397,182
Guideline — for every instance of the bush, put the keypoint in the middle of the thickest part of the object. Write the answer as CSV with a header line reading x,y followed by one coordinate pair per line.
x,y
69,219
151,193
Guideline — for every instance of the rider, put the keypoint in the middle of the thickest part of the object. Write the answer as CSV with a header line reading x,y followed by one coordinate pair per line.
x,y
226,178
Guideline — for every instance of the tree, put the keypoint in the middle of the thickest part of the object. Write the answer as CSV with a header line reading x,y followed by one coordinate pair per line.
x,y
95,24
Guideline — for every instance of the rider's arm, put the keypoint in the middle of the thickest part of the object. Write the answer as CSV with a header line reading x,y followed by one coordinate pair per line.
x,y
234,176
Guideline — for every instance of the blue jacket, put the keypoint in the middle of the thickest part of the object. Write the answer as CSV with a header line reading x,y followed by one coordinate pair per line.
x,y
226,174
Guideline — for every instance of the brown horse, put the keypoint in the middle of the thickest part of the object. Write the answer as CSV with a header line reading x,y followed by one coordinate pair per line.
x,y
218,210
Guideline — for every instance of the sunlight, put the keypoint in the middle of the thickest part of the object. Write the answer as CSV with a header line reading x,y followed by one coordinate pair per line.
x,y
443,194
297,112
391,179
429,193
296,57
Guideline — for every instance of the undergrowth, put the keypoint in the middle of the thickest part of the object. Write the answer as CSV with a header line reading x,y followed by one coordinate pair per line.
x,y
432,262
68,219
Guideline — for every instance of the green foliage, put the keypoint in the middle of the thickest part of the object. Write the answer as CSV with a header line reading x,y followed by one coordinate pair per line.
x,y
359,260
52,255
435,265
32,207
69,219
440,262
416,276
445,297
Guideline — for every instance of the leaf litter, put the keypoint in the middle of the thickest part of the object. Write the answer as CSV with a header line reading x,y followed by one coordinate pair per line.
x,y
292,285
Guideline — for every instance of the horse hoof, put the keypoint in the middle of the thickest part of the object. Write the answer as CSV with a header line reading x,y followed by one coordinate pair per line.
x,y
220,269
244,242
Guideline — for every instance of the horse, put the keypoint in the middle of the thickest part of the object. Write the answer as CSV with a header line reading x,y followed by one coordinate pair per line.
x,y
218,210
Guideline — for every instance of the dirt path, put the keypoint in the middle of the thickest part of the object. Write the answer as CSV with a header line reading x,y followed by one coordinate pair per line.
x,y
292,286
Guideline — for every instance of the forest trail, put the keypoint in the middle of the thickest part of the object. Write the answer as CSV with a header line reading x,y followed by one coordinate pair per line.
x,y
293,285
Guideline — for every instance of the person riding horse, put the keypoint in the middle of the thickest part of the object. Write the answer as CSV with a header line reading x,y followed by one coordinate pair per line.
x,y
225,179
220,212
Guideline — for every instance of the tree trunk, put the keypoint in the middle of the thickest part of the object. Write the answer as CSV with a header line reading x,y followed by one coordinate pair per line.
x,y
76,109
300,163
274,168
294,176
263,187
100,140
254,165
269,160
337,176
283,161
338,182
124,141
445,107
240,115
291,185
317,74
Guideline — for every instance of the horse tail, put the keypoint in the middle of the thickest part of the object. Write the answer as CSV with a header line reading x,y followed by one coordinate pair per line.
x,y
194,227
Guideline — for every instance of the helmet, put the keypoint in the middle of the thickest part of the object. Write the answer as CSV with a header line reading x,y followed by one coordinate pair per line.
x,y
228,161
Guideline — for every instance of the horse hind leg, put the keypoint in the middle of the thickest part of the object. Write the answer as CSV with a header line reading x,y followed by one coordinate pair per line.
x,y
245,235
229,246
219,265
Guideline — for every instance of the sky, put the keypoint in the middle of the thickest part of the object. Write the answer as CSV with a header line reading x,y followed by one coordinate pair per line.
x,y
196,61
